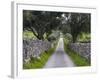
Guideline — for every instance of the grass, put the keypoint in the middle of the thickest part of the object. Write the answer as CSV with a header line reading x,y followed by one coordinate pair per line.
x,y
39,63
77,59
84,37
28,35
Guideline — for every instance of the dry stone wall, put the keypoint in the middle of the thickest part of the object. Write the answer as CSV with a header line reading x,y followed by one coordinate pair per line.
x,y
83,49
33,48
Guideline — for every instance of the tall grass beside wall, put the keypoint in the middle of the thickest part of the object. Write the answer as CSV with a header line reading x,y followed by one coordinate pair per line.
x,y
77,59
35,63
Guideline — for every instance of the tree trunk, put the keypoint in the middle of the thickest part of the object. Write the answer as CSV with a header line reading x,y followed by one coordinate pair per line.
x,y
74,35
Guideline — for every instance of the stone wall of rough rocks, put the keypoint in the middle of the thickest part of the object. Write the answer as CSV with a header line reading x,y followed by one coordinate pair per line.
x,y
84,49
33,48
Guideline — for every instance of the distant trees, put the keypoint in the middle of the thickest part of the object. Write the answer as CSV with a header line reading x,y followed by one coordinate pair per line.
x,y
40,22
43,22
79,22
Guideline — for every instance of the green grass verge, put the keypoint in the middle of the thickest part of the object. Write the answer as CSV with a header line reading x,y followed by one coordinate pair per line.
x,y
77,59
39,63
28,35
84,37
